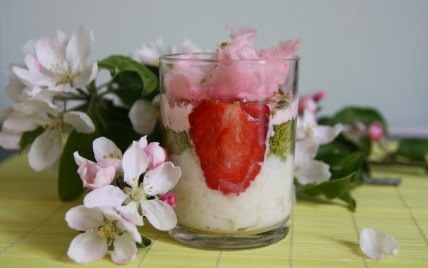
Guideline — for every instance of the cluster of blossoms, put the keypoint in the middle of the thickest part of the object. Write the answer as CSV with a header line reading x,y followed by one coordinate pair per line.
x,y
125,188
53,65
309,136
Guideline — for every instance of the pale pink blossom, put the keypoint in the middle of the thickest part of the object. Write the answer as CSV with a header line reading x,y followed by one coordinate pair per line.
x,y
94,176
169,198
131,200
375,131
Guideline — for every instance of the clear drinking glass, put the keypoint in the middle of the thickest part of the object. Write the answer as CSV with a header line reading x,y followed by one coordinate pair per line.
x,y
230,126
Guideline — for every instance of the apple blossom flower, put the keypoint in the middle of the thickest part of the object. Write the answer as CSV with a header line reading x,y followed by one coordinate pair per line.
x,y
140,196
375,131
169,198
377,245
307,103
144,114
60,64
103,229
106,154
94,176
47,147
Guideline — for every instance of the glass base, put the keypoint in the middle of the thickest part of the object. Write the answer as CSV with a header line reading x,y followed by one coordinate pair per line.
x,y
229,242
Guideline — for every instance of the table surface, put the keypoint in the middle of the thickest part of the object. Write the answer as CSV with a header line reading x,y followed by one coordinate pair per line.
x,y
33,232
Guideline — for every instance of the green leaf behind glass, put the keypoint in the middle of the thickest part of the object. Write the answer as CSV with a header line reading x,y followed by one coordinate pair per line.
x,y
70,185
125,64
29,137
351,114
414,149
346,196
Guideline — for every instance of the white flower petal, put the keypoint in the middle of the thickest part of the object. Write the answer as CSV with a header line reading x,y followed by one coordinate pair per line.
x,y
79,47
50,52
305,150
10,139
313,171
44,152
82,218
160,214
143,142
33,64
134,163
103,147
326,134
60,36
25,123
107,196
33,78
87,76
80,121
42,106
377,245
130,228
130,213
125,250
143,116
163,178
79,160
87,247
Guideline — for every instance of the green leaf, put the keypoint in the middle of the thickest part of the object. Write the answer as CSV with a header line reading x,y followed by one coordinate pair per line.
x,y
29,137
414,149
145,242
346,196
331,155
131,87
330,189
126,64
69,183
351,164
351,114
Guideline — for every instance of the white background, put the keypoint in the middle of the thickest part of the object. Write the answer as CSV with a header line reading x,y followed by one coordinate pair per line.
x,y
365,53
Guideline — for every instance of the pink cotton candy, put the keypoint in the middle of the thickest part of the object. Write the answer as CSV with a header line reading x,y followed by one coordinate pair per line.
x,y
169,198
237,72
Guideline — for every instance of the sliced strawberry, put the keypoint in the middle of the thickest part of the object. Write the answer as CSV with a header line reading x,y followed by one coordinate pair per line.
x,y
230,141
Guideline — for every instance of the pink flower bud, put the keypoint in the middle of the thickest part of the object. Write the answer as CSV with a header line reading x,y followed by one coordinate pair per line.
x,y
319,96
375,131
169,198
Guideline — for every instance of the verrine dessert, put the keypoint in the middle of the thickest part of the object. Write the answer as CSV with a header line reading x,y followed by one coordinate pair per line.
x,y
228,121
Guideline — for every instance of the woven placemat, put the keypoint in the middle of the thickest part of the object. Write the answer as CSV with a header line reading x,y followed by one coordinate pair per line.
x,y
33,232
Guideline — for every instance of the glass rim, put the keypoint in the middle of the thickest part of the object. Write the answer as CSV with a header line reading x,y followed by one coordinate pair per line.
x,y
175,57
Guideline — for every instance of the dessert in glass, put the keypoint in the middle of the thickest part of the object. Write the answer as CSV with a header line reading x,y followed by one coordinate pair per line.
x,y
228,121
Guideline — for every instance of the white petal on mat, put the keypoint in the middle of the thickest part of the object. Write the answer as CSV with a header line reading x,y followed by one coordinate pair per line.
x,y
377,245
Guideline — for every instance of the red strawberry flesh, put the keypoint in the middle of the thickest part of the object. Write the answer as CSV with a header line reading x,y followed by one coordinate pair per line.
x,y
230,142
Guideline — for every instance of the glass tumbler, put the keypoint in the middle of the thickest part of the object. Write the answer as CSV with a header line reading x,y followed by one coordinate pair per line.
x,y
230,126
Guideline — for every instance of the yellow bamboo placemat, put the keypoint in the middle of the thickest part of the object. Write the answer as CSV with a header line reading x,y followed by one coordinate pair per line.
x,y
33,232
